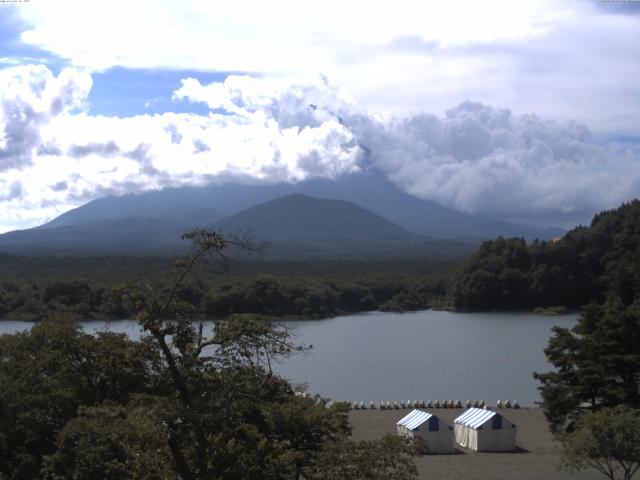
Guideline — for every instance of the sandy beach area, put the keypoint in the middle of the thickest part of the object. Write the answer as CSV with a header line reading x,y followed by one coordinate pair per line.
x,y
536,456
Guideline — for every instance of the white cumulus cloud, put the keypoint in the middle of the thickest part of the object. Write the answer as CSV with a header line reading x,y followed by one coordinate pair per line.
x,y
486,160
61,157
476,158
564,59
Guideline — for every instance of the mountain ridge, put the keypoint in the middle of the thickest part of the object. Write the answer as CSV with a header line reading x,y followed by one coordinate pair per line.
x,y
370,190
296,226
297,216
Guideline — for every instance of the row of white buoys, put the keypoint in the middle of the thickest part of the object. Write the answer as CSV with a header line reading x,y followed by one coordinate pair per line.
x,y
444,404
398,405
355,405
388,405
402,404
475,404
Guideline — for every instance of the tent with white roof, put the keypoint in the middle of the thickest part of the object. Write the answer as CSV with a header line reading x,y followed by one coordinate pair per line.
x,y
437,434
484,431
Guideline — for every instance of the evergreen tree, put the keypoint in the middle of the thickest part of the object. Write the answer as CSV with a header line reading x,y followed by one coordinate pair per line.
x,y
597,363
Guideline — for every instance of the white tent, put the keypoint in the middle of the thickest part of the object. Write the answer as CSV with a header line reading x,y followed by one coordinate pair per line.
x,y
437,434
484,431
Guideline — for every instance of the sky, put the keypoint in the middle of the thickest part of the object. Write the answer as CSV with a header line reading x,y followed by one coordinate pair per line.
x,y
527,111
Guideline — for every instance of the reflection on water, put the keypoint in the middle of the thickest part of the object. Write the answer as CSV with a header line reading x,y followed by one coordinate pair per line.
x,y
418,355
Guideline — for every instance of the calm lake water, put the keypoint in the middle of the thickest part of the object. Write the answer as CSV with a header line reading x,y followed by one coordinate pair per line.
x,y
418,355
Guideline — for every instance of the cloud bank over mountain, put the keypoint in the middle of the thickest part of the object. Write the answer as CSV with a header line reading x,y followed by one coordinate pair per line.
x,y
563,59
476,158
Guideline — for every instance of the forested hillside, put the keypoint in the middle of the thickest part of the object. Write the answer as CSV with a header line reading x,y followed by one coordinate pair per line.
x,y
33,288
572,271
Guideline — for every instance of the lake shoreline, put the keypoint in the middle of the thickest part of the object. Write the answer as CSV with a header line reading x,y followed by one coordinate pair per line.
x,y
537,312
419,355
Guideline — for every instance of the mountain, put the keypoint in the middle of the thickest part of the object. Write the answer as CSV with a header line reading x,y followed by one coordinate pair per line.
x,y
375,192
298,217
167,205
131,235
372,191
295,226
300,226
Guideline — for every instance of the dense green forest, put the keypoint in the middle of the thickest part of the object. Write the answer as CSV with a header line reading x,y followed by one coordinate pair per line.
x,y
503,274
97,288
572,271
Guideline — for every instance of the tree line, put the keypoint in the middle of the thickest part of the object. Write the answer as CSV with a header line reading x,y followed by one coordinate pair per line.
x,y
508,274
300,297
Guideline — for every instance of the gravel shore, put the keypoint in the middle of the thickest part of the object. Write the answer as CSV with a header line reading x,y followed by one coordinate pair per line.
x,y
536,456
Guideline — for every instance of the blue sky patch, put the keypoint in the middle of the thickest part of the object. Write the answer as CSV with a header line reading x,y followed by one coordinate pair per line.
x,y
13,51
117,91
125,92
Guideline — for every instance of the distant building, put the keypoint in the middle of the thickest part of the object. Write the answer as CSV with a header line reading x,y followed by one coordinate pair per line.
x,y
484,431
437,434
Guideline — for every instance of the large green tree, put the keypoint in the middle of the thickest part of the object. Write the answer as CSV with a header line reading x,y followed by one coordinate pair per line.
x,y
597,363
47,373
607,441
111,442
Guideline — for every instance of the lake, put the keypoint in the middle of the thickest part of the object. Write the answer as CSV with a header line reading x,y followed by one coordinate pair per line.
x,y
418,355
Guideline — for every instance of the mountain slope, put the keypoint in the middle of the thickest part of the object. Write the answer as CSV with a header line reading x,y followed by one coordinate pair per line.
x,y
295,226
169,205
298,217
372,191
376,193
131,235
298,226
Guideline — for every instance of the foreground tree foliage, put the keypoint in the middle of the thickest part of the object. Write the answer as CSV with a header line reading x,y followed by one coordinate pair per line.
x,y
110,441
607,441
388,459
177,405
48,373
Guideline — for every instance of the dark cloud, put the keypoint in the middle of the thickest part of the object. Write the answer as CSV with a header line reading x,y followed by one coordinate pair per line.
x,y
49,148
140,153
199,146
14,191
172,130
21,133
618,7
110,149
60,186
106,149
